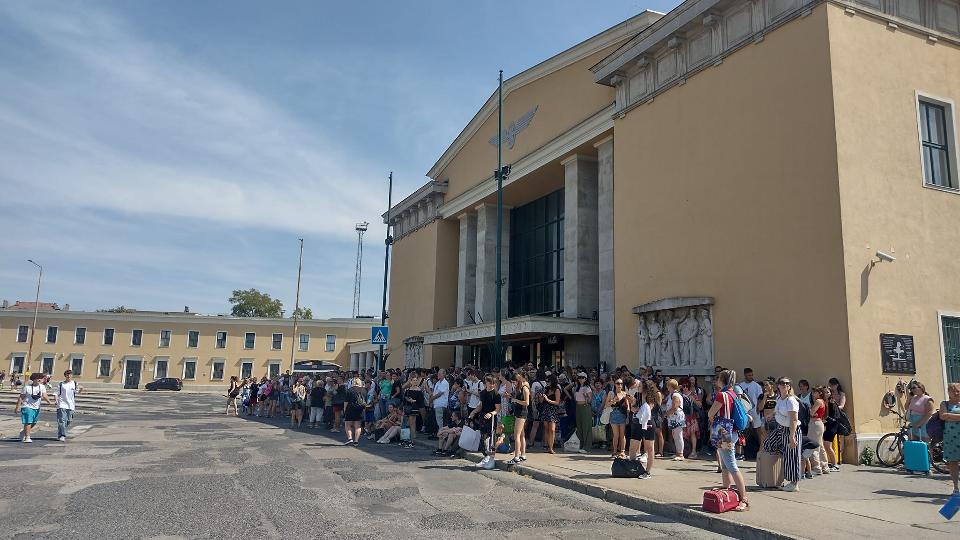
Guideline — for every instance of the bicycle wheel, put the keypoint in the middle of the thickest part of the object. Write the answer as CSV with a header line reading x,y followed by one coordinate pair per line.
x,y
936,458
890,450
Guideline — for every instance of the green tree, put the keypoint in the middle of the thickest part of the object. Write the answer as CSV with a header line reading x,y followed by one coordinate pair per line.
x,y
303,313
253,303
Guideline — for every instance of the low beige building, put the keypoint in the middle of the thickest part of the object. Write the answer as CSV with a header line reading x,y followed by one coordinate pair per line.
x,y
725,184
132,349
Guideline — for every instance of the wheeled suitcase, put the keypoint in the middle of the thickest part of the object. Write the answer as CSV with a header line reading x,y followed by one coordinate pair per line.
x,y
719,501
916,457
769,470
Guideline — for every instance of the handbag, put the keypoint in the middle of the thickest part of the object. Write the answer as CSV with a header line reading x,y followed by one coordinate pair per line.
x,y
605,415
572,444
626,468
469,439
719,501
405,434
599,433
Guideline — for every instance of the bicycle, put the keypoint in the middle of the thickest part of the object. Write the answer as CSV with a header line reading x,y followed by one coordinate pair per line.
x,y
890,448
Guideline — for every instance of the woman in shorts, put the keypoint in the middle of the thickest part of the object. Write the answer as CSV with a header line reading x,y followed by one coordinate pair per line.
x,y
298,396
354,406
642,431
521,403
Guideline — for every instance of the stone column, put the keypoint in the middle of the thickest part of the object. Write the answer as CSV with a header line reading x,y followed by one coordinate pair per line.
x,y
580,285
371,360
354,361
486,295
466,276
605,250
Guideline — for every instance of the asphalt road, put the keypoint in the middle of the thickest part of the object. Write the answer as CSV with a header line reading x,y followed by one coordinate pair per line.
x,y
172,465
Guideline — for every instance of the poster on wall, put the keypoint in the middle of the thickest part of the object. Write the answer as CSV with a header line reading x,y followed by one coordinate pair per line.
x,y
896,354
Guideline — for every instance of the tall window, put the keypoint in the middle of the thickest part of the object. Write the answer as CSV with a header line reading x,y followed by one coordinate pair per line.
x,y
277,342
52,334
80,336
108,336
46,365
161,367
17,364
937,139
190,369
103,369
249,340
331,343
304,342
246,370
217,373
536,257
221,340
193,339
274,370
76,365
951,348
136,338
22,332
165,338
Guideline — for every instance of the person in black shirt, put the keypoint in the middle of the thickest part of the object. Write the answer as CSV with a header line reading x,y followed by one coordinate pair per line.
x,y
355,402
316,403
485,414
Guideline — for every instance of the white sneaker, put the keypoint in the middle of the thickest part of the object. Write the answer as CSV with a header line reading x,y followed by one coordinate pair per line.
x,y
483,462
791,486
61,438
581,451
491,464
27,440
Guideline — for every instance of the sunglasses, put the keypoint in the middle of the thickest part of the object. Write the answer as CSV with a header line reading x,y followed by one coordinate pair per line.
x,y
783,383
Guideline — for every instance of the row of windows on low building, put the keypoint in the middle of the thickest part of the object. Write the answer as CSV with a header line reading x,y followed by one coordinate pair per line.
x,y
193,338
160,371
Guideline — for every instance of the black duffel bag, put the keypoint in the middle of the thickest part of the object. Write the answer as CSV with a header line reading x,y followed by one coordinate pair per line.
x,y
626,468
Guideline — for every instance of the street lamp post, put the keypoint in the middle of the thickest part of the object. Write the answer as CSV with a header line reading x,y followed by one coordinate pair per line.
x,y
36,310
381,361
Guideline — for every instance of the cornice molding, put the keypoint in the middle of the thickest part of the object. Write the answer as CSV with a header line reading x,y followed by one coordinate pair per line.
x,y
199,320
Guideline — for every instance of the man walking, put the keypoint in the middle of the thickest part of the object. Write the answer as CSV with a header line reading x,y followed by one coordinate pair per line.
x,y
66,403
28,404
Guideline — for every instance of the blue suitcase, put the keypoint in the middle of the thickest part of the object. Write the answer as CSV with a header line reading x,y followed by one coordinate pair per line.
x,y
916,458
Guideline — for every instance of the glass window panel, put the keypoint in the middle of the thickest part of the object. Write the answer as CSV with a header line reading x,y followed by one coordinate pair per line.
x,y
941,167
938,126
925,122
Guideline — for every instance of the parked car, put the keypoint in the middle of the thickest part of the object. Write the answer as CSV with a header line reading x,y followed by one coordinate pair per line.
x,y
167,383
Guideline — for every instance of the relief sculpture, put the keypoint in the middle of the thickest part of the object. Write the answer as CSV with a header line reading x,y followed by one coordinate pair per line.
x,y
677,341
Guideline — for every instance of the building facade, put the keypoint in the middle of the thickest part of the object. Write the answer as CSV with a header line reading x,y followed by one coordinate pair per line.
x,y
709,187
132,349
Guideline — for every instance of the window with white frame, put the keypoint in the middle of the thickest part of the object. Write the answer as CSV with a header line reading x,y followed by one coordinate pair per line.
x,y
161,366
46,365
76,365
331,343
52,334
221,340
103,367
17,363
216,374
246,369
249,340
22,333
108,336
190,369
193,339
165,338
274,370
938,142
136,338
277,343
80,336
304,342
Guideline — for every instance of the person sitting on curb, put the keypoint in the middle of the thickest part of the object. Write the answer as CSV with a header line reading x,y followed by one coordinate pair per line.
x,y
449,435
388,427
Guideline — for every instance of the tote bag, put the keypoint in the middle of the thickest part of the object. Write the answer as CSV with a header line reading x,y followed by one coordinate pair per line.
x,y
469,439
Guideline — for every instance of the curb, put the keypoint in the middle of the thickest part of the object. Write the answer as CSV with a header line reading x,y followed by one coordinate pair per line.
x,y
680,513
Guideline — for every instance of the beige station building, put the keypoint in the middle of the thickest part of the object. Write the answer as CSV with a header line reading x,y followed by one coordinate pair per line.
x,y
131,349
762,183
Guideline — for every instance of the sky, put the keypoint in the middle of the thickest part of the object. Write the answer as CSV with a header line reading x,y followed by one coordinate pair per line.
x,y
159,155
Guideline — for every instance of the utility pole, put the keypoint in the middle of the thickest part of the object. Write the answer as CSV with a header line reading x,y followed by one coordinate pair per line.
x,y
381,362
501,173
36,309
296,309
358,273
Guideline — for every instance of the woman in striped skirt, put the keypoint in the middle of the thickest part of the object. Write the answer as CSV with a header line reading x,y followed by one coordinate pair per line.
x,y
785,438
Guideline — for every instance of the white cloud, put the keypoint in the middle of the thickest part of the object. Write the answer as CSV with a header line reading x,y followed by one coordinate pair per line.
x,y
102,119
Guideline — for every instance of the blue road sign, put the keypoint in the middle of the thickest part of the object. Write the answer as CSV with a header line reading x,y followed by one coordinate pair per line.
x,y
379,335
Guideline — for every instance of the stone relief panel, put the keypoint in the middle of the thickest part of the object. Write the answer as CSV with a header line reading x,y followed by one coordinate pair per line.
x,y
677,340
413,353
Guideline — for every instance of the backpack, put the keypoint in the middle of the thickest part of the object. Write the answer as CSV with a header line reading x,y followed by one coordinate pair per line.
x,y
739,415
687,405
843,423
803,416
935,424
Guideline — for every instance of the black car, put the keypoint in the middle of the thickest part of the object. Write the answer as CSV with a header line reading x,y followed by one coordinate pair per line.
x,y
166,383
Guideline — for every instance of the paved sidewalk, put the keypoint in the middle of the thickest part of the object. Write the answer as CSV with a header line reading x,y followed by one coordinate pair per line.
x,y
864,502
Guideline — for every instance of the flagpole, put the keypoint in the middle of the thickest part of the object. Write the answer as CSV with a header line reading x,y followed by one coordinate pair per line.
x,y
498,339
296,308
381,362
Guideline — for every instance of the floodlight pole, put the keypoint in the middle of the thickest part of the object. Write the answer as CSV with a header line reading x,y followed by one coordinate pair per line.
x,y
381,362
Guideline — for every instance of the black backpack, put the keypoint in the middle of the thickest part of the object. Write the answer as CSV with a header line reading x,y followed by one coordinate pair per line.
x,y
804,417
687,405
626,468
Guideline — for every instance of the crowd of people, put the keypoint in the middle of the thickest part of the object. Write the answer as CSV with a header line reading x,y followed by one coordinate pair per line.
x,y
643,416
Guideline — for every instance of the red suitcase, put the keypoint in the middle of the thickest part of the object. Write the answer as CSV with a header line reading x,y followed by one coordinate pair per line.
x,y
719,501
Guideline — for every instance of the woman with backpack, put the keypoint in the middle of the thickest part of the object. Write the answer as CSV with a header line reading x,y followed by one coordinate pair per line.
x,y
724,435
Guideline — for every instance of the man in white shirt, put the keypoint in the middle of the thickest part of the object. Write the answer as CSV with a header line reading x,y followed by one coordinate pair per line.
x,y
473,387
753,390
440,398
66,403
28,404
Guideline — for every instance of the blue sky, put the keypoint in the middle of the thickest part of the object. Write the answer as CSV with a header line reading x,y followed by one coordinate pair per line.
x,y
161,154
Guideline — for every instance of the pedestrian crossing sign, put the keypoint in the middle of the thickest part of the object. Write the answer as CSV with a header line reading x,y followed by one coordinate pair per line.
x,y
378,335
